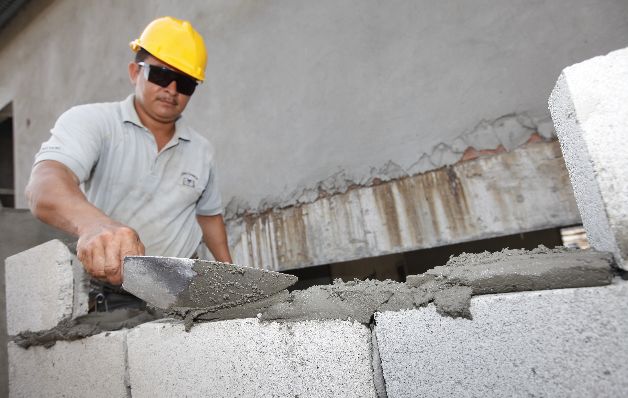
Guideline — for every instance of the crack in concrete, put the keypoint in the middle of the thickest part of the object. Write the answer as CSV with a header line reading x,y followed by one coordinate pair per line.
x,y
379,379
127,374
504,133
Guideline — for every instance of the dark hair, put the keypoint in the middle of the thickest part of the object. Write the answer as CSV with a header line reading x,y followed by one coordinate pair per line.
x,y
141,55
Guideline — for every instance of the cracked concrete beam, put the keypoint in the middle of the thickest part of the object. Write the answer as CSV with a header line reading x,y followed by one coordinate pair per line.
x,y
507,132
477,199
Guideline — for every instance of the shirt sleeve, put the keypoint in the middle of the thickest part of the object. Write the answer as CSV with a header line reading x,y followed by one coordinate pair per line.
x,y
76,141
210,203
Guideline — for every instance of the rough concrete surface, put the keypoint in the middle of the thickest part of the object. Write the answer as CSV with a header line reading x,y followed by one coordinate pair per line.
x,y
19,231
554,343
449,287
246,310
91,367
40,288
490,196
589,106
520,270
170,282
89,325
246,358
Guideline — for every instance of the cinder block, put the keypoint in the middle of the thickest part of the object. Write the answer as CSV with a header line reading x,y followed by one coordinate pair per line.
x,y
552,343
246,358
589,107
91,367
44,285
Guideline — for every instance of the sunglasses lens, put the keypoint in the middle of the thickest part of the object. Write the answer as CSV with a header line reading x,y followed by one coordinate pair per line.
x,y
159,76
185,85
164,76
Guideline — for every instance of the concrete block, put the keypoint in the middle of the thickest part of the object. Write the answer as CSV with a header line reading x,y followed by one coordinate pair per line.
x,y
589,107
44,285
553,343
19,231
246,358
91,367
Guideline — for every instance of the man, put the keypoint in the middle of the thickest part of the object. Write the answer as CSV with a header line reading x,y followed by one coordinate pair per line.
x,y
149,179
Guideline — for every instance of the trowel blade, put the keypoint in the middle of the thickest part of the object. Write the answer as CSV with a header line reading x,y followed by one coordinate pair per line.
x,y
169,282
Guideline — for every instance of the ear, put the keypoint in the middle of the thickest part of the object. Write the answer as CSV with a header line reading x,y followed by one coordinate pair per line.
x,y
134,71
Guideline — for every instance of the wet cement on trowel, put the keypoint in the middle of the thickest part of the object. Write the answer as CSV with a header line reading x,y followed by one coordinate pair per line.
x,y
85,326
448,287
225,291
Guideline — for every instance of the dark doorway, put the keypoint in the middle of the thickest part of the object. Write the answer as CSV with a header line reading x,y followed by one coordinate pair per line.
x,y
7,173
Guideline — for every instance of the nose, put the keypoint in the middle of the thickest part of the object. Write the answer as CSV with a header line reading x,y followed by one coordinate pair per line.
x,y
172,87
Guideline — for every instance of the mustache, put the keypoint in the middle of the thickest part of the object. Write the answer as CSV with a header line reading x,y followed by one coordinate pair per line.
x,y
169,99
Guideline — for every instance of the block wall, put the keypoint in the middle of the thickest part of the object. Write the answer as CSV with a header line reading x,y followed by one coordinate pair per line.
x,y
547,343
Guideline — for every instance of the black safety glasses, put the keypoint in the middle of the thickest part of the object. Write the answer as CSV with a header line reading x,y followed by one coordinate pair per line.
x,y
162,76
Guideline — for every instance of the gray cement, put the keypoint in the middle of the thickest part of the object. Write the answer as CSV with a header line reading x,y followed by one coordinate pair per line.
x,y
246,310
449,287
224,285
520,270
169,282
88,325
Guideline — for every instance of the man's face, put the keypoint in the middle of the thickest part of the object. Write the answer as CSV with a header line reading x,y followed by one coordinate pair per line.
x,y
162,104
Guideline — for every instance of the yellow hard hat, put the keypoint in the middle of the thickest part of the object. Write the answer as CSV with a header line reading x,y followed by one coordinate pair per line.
x,y
176,43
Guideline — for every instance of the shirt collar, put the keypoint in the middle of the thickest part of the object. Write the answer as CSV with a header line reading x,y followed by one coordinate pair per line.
x,y
129,114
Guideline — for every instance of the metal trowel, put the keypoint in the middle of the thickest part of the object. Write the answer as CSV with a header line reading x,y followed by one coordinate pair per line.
x,y
170,282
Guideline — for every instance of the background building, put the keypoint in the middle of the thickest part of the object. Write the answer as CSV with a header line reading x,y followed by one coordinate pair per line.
x,y
354,138
323,113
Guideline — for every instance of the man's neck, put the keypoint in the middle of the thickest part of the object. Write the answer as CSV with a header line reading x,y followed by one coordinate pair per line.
x,y
162,131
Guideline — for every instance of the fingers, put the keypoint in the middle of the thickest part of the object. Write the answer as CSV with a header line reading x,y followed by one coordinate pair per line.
x,y
112,266
91,256
98,260
130,246
102,249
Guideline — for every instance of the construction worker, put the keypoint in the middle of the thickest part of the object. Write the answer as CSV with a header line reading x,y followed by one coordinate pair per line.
x,y
149,180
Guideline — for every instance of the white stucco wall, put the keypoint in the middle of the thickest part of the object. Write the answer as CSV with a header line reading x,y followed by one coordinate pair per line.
x,y
303,92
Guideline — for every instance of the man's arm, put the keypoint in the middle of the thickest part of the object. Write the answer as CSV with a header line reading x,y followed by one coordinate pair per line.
x,y
215,237
55,198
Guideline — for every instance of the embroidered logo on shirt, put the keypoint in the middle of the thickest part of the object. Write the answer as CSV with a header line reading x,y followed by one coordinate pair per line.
x,y
46,148
189,180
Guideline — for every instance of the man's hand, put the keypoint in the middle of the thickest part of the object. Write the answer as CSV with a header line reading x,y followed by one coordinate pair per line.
x,y
56,199
102,247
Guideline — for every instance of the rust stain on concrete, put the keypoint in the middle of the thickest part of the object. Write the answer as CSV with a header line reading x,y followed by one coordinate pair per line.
x,y
473,199
388,212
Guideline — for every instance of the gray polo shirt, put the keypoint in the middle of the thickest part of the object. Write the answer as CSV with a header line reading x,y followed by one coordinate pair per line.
x,y
157,194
